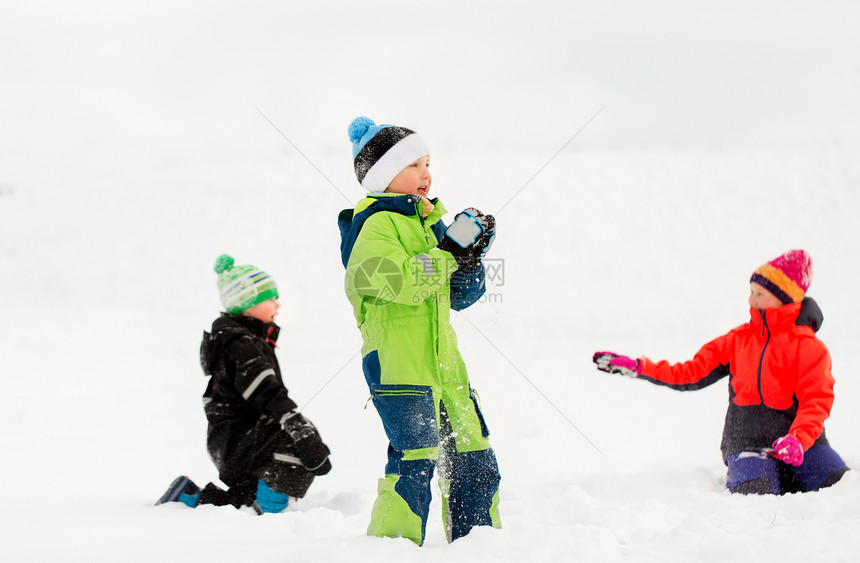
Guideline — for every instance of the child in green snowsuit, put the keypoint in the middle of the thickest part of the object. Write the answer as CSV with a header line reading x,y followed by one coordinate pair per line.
x,y
405,271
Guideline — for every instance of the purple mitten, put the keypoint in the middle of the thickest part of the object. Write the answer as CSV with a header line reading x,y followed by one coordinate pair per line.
x,y
788,450
611,362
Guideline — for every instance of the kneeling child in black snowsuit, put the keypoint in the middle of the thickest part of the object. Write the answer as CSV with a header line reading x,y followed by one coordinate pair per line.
x,y
264,449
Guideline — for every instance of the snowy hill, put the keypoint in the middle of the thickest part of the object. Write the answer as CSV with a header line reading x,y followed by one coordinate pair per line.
x,y
140,142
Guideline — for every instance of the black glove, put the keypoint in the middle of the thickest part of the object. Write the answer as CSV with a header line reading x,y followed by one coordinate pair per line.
x,y
469,237
308,444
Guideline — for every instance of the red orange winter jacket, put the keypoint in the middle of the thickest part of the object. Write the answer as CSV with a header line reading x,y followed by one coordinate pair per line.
x,y
779,379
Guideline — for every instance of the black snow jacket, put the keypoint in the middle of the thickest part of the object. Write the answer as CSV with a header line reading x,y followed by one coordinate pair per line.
x,y
245,389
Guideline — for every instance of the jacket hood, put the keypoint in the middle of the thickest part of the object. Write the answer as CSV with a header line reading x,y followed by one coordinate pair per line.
x,y
227,323
350,221
228,328
810,314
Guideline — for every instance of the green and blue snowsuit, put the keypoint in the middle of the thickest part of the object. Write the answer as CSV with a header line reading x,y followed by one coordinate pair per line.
x,y
402,289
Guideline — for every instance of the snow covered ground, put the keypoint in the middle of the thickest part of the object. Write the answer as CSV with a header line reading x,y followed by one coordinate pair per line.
x,y
141,141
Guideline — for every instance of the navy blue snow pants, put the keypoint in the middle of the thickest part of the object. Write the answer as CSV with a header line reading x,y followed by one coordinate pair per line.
x,y
761,474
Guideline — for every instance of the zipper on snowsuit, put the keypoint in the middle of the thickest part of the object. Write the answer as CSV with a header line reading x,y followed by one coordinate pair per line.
x,y
763,350
395,393
398,393
419,211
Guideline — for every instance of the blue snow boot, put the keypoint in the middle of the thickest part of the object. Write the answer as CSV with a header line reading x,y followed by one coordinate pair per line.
x,y
270,501
183,490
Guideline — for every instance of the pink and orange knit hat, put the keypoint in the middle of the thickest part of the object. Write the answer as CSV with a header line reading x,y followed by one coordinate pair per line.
x,y
787,276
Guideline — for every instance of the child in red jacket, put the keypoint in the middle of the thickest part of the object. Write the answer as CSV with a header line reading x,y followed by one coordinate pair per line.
x,y
780,385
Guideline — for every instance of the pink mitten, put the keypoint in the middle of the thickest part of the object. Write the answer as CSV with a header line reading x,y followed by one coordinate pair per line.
x,y
614,363
788,450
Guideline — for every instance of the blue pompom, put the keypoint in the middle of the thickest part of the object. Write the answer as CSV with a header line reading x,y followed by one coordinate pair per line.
x,y
359,127
223,263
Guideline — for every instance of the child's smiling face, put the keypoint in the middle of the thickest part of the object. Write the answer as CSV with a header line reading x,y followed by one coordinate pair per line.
x,y
413,180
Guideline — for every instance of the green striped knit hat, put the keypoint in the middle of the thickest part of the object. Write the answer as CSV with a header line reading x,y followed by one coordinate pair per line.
x,y
242,287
